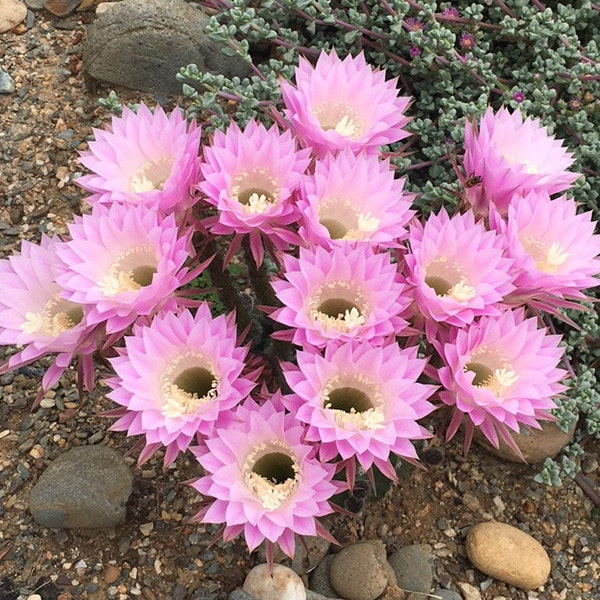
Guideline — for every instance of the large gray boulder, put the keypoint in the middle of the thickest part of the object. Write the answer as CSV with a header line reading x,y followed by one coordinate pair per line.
x,y
86,487
142,44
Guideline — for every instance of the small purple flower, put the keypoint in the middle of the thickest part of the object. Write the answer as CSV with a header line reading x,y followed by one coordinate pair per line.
x,y
575,103
519,97
467,41
412,24
415,51
451,13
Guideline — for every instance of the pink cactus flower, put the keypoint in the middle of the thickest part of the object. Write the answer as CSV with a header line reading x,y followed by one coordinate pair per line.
x,y
457,268
340,294
265,480
33,313
501,373
344,104
121,262
511,156
177,378
251,177
360,401
145,158
354,198
554,249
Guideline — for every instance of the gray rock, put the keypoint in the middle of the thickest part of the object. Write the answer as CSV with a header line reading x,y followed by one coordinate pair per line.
x,y
307,556
35,4
142,44
319,578
239,594
360,571
86,487
413,566
7,85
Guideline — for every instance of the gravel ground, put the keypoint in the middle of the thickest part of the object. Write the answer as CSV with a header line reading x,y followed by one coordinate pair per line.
x,y
156,553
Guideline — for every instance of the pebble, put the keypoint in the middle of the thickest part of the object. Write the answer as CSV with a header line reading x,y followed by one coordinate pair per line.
x,y
413,566
12,12
86,487
111,574
7,85
361,571
469,592
239,594
508,554
589,464
281,584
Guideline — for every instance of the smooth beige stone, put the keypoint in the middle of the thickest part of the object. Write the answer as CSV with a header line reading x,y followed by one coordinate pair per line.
x,y
536,445
508,554
12,12
279,584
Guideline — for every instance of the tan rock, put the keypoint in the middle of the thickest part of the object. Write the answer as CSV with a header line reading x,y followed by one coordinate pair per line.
x,y
536,444
12,12
508,554
360,571
280,583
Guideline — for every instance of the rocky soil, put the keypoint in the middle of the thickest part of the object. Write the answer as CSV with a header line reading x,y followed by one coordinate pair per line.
x,y
156,553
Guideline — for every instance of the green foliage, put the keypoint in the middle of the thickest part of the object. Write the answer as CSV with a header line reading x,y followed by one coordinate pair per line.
x,y
548,55
542,58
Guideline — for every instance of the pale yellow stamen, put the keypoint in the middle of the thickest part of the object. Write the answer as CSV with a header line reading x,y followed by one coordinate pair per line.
x,y
187,384
341,118
448,279
130,271
354,401
461,292
500,380
152,175
257,204
271,473
343,322
331,308
547,258
57,316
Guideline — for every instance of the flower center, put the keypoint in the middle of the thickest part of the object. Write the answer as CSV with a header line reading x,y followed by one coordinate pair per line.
x,y
255,190
492,371
130,271
152,175
350,405
57,316
185,385
344,222
547,258
341,118
448,280
333,311
271,473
